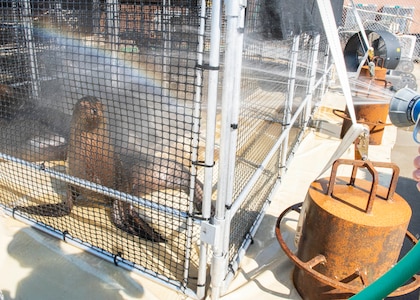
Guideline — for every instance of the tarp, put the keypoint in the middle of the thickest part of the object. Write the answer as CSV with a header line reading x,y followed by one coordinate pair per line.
x,y
281,19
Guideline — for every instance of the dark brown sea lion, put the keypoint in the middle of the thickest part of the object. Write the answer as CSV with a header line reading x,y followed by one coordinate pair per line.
x,y
145,174
92,156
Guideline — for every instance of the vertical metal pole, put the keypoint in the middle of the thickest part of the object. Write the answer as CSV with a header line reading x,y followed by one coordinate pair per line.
x,y
328,20
166,33
113,23
326,68
289,101
312,77
194,155
229,126
236,100
96,14
28,29
213,83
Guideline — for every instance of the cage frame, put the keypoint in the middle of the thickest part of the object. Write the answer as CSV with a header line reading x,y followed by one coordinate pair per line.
x,y
222,269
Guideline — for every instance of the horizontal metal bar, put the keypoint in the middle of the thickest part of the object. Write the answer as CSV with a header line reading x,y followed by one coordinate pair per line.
x,y
253,180
98,188
103,254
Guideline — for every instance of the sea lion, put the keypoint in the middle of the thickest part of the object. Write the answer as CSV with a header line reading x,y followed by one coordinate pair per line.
x,y
145,174
91,155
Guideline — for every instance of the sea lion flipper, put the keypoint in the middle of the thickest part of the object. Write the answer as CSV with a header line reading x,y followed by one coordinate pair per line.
x,y
51,210
128,220
46,210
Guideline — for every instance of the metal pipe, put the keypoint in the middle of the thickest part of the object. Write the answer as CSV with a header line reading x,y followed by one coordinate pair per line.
x,y
213,79
259,171
327,69
112,21
289,102
245,245
105,255
234,122
194,146
359,24
328,21
254,179
96,14
312,77
98,188
167,36
242,196
226,177
28,29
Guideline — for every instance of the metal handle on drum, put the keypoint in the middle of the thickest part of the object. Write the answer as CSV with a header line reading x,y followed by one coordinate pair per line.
x,y
370,166
343,287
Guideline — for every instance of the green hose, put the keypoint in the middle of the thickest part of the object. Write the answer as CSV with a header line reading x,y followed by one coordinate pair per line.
x,y
394,278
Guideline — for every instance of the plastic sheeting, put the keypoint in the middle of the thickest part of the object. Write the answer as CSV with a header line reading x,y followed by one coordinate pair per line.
x,y
286,18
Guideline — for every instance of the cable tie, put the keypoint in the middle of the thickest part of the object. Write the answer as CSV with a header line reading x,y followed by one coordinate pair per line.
x,y
195,217
207,67
115,258
228,207
230,267
201,163
234,126
65,232
297,207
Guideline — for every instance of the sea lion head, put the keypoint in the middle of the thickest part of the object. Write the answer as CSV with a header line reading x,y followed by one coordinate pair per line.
x,y
89,113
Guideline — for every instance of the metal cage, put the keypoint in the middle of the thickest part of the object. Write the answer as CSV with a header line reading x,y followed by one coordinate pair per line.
x,y
151,133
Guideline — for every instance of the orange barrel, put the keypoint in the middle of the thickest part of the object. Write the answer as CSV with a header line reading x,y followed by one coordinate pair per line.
x,y
356,226
372,114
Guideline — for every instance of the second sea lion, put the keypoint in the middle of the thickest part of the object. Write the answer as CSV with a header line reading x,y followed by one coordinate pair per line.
x,y
145,174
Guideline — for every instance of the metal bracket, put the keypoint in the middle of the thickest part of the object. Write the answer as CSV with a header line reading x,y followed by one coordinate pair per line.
x,y
243,3
362,144
210,233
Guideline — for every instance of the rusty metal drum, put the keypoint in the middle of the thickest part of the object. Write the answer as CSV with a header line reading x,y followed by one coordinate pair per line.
x,y
352,232
371,114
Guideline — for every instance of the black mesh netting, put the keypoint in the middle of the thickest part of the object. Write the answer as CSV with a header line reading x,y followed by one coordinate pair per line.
x,y
96,118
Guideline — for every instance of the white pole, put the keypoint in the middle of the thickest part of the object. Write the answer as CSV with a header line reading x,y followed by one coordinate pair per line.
x,y
289,101
227,143
213,79
201,280
312,78
327,69
28,29
236,100
113,22
330,28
